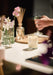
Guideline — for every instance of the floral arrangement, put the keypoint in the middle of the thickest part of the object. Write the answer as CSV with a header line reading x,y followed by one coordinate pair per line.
x,y
7,24
19,13
8,32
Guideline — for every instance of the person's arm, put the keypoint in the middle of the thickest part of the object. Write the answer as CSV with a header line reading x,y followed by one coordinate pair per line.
x,y
43,22
51,22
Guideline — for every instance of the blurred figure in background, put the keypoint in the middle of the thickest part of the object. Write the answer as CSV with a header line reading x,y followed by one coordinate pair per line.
x,y
41,24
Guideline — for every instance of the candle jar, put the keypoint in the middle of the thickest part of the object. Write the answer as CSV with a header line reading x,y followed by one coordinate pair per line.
x,y
33,41
20,33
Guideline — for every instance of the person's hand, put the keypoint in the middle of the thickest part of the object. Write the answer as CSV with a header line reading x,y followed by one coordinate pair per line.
x,y
45,17
42,23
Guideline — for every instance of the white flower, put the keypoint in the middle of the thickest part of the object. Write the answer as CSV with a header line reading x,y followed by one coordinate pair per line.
x,y
12,24
8,24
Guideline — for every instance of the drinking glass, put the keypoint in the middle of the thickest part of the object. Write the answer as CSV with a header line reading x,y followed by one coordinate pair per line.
x,y
37,17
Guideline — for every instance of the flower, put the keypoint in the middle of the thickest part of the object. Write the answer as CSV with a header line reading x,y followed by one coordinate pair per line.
x,y
16,11
7,24
19,14
12,24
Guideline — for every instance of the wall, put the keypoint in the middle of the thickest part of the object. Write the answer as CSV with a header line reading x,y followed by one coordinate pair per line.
x,y
33,8
41,7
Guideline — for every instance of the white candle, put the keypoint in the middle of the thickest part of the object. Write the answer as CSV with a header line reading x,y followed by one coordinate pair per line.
x,y
33,41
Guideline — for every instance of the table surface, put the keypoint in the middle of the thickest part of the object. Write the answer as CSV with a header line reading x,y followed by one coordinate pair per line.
x,y
17,55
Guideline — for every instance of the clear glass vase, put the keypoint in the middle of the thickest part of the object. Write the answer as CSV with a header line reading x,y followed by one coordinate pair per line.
x,y
20,33
8,37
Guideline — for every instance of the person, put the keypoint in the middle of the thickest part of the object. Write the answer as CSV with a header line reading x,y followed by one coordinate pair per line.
x,y
43,22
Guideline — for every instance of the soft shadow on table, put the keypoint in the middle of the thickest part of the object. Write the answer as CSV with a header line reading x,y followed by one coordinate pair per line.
x,y
9,69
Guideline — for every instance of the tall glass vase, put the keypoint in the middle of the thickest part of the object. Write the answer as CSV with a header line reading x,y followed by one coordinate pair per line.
x,y
8,37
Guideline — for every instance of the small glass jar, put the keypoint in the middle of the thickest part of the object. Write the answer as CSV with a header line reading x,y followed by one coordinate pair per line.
x,y
20,33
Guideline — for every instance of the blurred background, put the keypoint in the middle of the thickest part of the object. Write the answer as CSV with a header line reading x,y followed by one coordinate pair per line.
x,y
33,8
